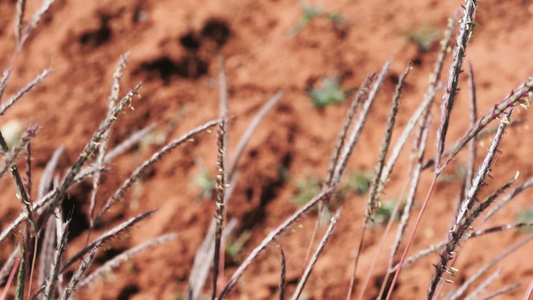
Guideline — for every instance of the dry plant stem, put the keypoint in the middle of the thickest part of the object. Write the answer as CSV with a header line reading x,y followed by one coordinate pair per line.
x,y
483,133
507,198
11,156
36,18
455,237
529,290
250,130
378,184
219,263
48,173
27,175
465,32
472,145
117,260
130,142
462,289
471,197
48,248
28,135
105,237
147,164
5,106
42,203
76,278
281,295
341,139
3,82
89,150
358,127
466,215
418,156
201,266
379,181
411,236
312,262
7,267
339,146
272,235
438,246
515,98
19,291
502,228
501,291
483,286
113,98
10,279
19,19
50,289
219,213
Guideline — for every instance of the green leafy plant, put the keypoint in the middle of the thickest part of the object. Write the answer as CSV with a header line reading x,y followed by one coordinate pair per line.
x,y
359,182
424,37
329,92
307,188
525,216
310,12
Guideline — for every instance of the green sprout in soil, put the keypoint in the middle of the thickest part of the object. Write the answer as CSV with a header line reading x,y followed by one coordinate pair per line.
x,y
424,37
359,182
330,92
307,188
310,12
383,213
203,180
525,216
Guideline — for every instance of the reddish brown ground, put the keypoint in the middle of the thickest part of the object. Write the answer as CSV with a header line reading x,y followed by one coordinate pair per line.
x,y
173,47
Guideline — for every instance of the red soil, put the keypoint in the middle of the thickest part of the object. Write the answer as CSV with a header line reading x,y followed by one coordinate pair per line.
x,y
173,48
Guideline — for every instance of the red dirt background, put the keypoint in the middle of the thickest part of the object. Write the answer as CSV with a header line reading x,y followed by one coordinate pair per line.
x,y
173,48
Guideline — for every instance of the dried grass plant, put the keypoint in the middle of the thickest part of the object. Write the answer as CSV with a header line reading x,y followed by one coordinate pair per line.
x,y
42,233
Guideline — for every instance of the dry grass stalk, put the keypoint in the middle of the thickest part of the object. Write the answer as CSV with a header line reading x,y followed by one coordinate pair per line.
x,y
358,127
106,237
50,285
89,150
117,260
476,185
21,277
472,145
147,164
113,98
465,32
483,286
250,130
316,255
418,151
77,277
323,196
219,212
3,82
378,183
456,236
339,146
505,200
128,143
283,273
462,289
19,19
5,106
502,291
